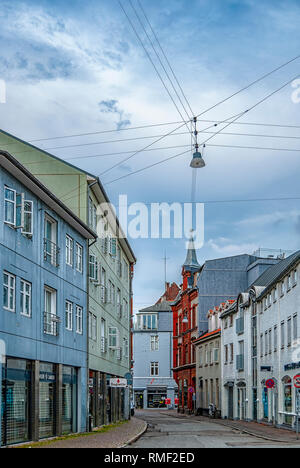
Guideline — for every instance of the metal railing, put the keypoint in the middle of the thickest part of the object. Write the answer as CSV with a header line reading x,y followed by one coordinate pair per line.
x,y
51,324
51,252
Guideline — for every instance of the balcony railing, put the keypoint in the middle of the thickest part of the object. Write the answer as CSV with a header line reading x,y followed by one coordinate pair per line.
x,y
240,325
51,252
51,324
240,362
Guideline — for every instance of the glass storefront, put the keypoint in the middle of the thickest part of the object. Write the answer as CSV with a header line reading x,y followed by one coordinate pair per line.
x,y
15,411
47,400
69,400
156,397
288,401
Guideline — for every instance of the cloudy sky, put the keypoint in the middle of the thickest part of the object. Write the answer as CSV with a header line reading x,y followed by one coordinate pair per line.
x,y
74,67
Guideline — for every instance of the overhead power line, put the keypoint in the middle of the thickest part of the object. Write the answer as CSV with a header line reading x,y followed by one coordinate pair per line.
x,y
207,110
150,58
166,58
208,139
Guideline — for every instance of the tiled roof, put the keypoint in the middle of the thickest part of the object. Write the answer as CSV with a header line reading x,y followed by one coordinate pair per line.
x,y
207,335
159,307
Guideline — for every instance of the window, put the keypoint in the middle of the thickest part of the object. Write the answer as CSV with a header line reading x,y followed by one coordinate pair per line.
x,y
275,338
9,295
51,250
282,335
79,258
147,322
103,336
154,343
261,345
113,337
51,320
10,196
231,353
266,343
289,282
275,295
216,355
270,341
69,316
79,320
69,251
154,369
295,277
126,348
27,228
25,299
113,246
92,327
295,328
226,354
289,331
282,288
93,268
126,309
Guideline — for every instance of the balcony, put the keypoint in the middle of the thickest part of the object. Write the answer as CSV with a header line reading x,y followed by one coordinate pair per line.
x,y
51,252
240,326
240,362
51,324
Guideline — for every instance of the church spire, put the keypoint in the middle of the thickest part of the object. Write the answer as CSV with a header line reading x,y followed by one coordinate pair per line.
x,y
191,262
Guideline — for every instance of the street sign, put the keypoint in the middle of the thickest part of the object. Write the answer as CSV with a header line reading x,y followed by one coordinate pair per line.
x,y
118,383
168,401
191,390
129,378
297,381
270,383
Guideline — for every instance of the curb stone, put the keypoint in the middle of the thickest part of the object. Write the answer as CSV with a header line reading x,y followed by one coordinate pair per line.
x,y
136,437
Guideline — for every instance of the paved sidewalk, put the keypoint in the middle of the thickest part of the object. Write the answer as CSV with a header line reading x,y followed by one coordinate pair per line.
x,y
263,431
109,437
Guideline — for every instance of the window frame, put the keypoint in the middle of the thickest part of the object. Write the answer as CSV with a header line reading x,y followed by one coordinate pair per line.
x,y
79,319
23,295
69,309
69,251
10,288
79,258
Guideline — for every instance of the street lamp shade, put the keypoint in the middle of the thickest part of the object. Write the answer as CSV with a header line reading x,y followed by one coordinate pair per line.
x,y
185,319
197,161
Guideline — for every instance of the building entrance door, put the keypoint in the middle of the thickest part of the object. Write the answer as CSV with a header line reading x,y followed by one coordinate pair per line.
x,y
139,400
242,401
265,402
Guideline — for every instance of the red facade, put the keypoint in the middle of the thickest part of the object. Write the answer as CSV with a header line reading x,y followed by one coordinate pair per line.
x,y
185,331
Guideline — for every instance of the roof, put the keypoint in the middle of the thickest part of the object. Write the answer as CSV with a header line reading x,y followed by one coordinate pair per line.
x,y
93,178
207,335
277,270
15,168
191,257
159,307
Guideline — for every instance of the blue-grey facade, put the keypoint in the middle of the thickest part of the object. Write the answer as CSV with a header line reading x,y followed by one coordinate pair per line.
x,y
153,383
224,278
43,319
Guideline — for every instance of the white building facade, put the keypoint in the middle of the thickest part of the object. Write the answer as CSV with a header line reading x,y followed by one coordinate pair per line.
x,y
261,348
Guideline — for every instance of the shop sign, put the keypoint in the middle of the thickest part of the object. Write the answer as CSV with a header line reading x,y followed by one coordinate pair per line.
x,y
118,383
168,401
292,366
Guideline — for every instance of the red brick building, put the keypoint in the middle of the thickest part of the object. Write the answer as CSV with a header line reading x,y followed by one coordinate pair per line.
x,y
185,331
